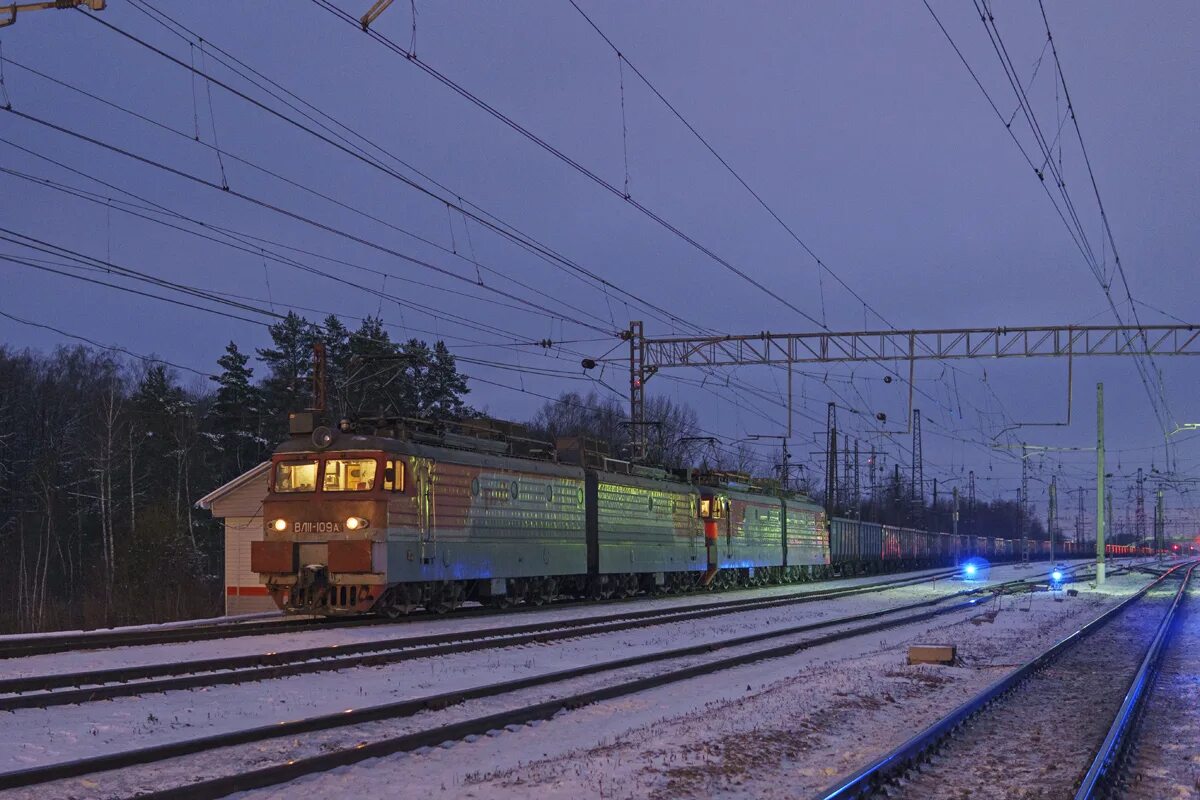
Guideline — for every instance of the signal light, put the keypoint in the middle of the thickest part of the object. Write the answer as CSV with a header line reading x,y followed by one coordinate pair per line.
x,y
969,570
1056,576
356,523
279,525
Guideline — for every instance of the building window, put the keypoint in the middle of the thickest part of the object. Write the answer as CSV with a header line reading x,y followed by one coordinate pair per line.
x,y
296,476
349,475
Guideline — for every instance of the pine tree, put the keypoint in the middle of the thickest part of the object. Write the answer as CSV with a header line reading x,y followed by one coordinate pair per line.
x,y
337,364
289,366
444,388
236,416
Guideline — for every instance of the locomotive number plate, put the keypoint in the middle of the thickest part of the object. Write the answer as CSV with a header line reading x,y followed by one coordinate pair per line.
x,y
316,527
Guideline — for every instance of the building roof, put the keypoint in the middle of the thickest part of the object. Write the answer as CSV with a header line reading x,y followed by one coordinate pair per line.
x,y
215,495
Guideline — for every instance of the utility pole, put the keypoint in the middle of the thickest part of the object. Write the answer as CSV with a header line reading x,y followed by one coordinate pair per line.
x,y
1052,516
1100,484
1159,524
1079,518
1021,510
873,502
847,500
857,485
971,500
1139,518
918,470
637,389
954,521
831,462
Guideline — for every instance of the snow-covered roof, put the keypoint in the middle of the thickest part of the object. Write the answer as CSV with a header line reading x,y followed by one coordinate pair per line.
x,y
207,501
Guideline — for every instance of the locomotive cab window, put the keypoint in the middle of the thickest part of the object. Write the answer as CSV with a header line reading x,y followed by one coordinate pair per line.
x,y
296,476
393,476
349,475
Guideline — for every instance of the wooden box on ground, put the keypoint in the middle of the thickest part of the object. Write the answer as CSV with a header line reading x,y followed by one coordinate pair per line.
x,y
932,654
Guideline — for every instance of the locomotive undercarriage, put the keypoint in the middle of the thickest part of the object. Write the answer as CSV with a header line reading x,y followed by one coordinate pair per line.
x,y
317,596
443,596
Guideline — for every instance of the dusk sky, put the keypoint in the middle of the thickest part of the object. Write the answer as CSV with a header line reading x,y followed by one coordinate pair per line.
x,y
856,122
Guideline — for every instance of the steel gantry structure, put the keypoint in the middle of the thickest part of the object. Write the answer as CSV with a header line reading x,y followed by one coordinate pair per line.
x,y
649,355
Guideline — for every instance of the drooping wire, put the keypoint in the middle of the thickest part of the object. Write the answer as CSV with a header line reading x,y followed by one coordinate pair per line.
x,y
100,345
192,81
624,125
212,117
3,86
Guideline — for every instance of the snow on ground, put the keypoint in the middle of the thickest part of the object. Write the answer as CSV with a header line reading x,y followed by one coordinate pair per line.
x,y
781,728
71,732
82,661
1039,741
89,729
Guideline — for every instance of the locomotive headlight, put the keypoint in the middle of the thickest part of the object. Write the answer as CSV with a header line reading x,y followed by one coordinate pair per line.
x,y
356,523
279,525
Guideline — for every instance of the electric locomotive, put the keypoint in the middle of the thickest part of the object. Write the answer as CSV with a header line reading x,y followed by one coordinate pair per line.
x,y
413,515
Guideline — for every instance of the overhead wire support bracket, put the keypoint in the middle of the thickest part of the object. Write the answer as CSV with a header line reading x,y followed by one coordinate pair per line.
x,y
12,8
377,8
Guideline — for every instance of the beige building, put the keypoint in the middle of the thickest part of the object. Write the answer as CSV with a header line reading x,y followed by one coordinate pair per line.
x,y
239,504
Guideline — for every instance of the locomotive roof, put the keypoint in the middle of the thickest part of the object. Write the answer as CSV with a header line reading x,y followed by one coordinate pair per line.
x,y
355,442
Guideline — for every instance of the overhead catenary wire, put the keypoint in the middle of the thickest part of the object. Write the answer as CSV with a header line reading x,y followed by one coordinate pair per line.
x,y
339,141
217,82
102,346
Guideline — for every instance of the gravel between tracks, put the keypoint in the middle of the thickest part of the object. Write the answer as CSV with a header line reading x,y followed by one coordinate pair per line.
x,y
1166,758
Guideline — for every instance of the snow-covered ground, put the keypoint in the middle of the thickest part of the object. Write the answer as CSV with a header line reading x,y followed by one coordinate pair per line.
x,y
182,652
808,680
1039,740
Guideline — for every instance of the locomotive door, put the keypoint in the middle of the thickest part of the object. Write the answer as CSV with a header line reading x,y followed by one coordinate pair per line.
x,y
728,509
426,518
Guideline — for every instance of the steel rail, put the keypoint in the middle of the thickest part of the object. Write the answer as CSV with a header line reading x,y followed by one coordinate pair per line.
x,y
870,779
269,776
17,647
39,691
1101,773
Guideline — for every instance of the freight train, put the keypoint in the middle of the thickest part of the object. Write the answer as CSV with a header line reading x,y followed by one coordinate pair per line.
x,y
402,515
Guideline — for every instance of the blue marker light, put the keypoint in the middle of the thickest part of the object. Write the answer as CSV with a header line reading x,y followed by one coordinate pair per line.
x,y
1056,576
969,570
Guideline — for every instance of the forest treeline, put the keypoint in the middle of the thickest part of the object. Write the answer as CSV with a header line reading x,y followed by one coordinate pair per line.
x,y
102,460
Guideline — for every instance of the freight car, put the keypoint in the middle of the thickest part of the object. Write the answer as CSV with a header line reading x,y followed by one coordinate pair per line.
x,y
407,517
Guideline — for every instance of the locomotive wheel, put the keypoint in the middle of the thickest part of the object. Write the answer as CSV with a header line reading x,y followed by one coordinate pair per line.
x,y
445,598
400,601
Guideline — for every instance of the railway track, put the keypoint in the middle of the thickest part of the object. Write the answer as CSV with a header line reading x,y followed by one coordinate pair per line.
x,y
1035,732
17,646
843,628
1150,749
42,691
